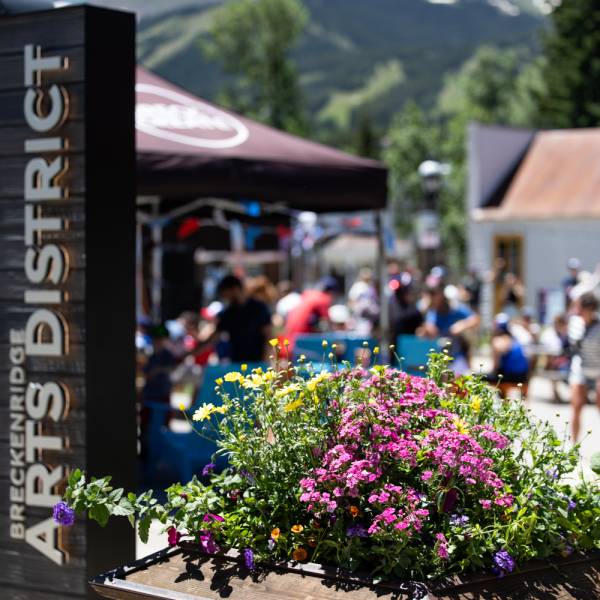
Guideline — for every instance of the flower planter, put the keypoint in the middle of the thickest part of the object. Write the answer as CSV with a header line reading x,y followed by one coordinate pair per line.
x,y
186,574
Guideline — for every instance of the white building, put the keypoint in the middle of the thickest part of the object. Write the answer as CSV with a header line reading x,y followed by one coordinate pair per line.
x,y
533,201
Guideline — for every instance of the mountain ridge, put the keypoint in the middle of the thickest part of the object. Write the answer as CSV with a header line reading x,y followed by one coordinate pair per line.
x,y
355,56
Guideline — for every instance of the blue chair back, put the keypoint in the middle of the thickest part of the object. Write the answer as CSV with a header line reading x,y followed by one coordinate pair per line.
x,y
414,353
207,394
311,346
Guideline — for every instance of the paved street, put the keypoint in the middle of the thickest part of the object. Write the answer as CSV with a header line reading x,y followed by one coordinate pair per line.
x,y
559,414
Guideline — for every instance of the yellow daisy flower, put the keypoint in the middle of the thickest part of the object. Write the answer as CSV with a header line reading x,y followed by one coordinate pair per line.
x,y
234,376
204,412
291,406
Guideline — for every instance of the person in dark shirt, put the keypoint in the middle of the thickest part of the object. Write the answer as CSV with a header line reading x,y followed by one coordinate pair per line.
x,y
406,318
246,323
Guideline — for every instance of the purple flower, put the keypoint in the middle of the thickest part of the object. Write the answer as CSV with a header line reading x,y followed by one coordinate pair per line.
x,y
207,542
504,563
571,504
552,473
208,469
357,530
249,559
459,520
173,536
247,475
567,550
271,543
63,514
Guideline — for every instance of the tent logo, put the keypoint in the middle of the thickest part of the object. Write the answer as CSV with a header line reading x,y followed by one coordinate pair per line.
x,y
168,115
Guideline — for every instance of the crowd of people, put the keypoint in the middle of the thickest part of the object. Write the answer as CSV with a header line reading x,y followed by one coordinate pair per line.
x,y
237,326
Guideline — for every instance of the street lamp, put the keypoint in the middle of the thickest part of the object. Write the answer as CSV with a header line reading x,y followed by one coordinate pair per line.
x,y
432,173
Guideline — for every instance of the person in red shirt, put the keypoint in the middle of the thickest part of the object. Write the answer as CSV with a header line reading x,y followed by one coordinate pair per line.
x,y
312,310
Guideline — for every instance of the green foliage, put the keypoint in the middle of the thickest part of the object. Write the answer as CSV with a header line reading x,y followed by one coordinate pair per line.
x,y
366,139
572,69
315,457
343,105
252,39
482,89
493,86
413,137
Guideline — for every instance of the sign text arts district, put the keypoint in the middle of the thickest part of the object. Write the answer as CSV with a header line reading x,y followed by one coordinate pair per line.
x,y
33,481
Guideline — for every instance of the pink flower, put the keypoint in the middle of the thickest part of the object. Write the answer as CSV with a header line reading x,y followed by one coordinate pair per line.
x,y
426,475
487,504
173,536
212,517
442,550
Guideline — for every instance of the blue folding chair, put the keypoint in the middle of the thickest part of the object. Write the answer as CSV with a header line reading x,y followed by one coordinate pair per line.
x,y
414,353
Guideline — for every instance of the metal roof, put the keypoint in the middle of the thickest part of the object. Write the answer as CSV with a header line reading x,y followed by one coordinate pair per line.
x,y
559,178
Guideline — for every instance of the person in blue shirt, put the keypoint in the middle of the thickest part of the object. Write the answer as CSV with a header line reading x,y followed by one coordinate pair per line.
x,y
510,362
444,320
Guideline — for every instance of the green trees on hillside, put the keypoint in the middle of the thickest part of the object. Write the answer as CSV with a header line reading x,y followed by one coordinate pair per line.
x,y
485,90
252,40
572,69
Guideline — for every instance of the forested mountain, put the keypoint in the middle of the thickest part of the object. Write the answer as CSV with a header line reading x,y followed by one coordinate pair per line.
x,y
356,55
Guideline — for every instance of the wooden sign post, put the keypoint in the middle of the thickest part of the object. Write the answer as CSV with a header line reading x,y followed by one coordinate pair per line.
x,y
67,190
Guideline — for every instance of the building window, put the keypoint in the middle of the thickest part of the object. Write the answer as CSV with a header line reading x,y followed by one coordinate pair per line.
x,y
509,280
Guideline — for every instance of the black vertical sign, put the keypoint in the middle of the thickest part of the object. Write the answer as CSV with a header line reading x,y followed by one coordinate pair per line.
x,y
67,187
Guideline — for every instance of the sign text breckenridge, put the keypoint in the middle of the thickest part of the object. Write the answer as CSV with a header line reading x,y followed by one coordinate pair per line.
x,y
33,481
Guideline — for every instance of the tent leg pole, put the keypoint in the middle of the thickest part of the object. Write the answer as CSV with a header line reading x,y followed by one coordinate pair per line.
x,y
139,270
157,256
384,315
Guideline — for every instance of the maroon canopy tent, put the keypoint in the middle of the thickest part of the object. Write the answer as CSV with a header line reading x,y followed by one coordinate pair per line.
x,y
189,148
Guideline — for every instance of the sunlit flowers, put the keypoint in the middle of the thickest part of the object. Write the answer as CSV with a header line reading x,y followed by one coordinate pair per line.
x,y
207,410
234,377
297,528
294,405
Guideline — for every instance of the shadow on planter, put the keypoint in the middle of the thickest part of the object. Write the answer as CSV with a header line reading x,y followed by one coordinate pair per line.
x,y
186,574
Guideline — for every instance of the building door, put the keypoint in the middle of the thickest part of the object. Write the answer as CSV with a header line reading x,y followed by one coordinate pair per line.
x,y
509,284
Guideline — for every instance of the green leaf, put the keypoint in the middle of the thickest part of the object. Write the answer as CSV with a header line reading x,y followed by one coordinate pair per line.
x,y
99,513
123,509
144,529
74,477
595,463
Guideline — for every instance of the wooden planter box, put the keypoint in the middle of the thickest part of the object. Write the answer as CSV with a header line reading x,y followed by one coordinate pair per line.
x,y
186,574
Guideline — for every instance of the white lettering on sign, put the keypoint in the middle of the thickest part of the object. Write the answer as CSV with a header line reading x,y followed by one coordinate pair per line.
x,y
34,480
172,116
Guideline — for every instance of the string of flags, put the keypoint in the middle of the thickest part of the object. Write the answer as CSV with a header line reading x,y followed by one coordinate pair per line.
x,y
243,236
